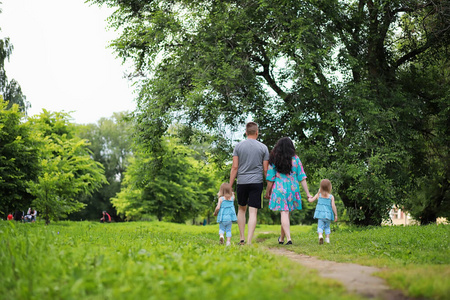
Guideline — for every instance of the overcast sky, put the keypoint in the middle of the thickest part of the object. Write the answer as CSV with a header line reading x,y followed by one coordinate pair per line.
x,y
61,59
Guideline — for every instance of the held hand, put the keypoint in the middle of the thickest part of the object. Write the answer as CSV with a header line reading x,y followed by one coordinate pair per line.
x,y
267,196
335,218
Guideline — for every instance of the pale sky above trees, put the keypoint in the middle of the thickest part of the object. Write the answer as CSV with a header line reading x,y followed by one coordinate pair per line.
x,y
61,59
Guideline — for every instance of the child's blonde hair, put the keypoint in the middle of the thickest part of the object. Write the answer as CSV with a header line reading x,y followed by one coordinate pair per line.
x,y
225,190
325,186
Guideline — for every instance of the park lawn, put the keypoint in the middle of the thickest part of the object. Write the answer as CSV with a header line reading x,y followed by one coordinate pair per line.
x,y
146,260
414,259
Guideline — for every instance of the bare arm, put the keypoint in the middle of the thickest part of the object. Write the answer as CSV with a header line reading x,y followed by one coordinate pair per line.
x,y
305,188
268,189
265,167
333,206
316,196
219,202
234,170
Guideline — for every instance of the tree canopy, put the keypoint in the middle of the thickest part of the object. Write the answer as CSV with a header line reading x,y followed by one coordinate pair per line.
x,y
11,90
181,188
110,143
18,159
67,170
361,86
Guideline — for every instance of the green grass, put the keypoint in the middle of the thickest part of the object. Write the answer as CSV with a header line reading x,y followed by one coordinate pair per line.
x,y
415,259
153,260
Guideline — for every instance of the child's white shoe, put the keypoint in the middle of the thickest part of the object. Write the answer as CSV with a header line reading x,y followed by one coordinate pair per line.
x,y
327,240
221,239
228,243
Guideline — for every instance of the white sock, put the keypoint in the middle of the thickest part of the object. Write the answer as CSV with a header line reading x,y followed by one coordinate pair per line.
x,y
320,236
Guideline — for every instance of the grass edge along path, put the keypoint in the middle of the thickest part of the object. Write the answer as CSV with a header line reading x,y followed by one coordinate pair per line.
x,y
413,259
356,278
146,260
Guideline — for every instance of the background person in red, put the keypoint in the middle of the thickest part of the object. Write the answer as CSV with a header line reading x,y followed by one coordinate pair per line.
x,y
105,218
10,217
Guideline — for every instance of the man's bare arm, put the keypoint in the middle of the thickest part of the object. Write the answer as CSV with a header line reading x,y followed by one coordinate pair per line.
x,y
234,170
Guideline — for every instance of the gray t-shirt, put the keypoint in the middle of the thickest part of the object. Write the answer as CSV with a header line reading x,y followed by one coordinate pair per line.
x,y
251,154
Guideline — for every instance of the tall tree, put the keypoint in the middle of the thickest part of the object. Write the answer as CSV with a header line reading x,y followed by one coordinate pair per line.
x,y
110,141
18,159
67,169
326,73
11,90
180,189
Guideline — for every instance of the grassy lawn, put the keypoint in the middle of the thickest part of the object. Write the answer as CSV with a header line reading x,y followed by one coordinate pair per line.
x,y
415,259
153,260
84,260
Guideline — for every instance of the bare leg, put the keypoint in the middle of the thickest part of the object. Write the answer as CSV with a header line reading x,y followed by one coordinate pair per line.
x,y
282,234
241,221
285,224
252,218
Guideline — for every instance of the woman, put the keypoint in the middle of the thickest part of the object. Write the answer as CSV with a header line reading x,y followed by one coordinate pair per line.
x,y
284,176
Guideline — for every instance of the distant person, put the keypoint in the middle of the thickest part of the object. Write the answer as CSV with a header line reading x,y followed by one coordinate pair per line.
x,y
250,163
284,177
105,217
18,215
31,215
10,217
325,210
225,212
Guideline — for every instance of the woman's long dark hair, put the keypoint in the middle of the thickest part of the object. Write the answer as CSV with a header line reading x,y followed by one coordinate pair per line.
x,y
281,155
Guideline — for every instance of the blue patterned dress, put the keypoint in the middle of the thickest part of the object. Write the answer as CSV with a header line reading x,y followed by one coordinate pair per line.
x,y
286,188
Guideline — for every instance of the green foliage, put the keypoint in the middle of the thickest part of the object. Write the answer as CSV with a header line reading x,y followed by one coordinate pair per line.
x,y
18,159
430,160
150,261
67,169
10,90
110,142
172,184
329,74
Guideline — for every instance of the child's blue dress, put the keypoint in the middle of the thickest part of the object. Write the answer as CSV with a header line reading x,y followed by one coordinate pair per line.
x,y
324,209
227,212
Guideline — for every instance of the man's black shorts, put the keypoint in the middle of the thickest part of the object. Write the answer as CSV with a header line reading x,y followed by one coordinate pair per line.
x,y
249,194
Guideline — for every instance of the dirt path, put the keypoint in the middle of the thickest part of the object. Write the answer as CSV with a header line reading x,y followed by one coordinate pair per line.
x,y
356,278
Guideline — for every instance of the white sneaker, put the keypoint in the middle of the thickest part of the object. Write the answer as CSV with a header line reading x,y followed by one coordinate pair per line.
x,y
228,243
327,240
221,239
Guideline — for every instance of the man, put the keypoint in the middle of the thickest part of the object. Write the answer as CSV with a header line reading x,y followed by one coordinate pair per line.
x,y
250,164
105,217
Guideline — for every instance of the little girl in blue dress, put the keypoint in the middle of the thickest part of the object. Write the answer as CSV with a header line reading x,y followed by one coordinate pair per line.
x,y
325,210
225,212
